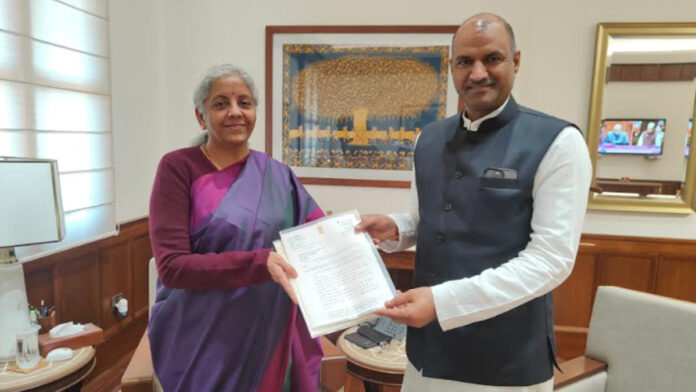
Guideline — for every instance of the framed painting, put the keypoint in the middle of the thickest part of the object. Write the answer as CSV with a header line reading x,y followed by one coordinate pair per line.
x,y
345,104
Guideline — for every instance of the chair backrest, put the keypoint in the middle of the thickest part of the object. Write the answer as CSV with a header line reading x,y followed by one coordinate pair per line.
x,y
648,341
152,281
152,290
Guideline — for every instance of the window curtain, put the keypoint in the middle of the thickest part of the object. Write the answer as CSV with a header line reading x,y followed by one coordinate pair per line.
x,y
55,103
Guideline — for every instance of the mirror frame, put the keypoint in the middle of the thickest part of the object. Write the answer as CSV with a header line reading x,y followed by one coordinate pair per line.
x,y
687,205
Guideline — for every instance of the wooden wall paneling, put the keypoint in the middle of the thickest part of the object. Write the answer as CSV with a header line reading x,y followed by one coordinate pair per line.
x,y
653,274
650,72
402,279
113,356
42,280
57,294
140,257
404,260
81,280
629,271
78,295
115,279
400,266
573,302
670,71
664,266
613,73
570,342
631,72
676,278
130,248
573,298
688,72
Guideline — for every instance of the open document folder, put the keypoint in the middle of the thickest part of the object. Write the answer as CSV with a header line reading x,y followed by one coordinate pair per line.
x,y
341,279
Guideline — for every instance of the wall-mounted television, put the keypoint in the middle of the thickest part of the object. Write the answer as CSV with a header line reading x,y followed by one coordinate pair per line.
x,y
688,137
632,136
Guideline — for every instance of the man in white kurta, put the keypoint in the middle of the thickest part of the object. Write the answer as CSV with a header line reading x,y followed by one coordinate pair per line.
x,y
484,63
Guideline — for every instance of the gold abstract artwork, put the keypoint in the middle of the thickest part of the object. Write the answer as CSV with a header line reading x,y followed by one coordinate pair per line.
x,y
346,107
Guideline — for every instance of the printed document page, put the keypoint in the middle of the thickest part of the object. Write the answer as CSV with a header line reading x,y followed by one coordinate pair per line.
x,y
341,278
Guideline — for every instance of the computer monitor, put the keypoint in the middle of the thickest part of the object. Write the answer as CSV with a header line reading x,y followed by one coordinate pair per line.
x,y
632,136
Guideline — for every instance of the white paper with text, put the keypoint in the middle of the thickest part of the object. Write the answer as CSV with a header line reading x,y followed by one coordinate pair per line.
x,y
341,277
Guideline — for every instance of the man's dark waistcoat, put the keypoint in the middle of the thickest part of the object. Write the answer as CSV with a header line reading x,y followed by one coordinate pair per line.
x,y
475,205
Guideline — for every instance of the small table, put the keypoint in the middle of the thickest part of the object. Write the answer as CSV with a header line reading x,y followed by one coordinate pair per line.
x,y
55,376
380,368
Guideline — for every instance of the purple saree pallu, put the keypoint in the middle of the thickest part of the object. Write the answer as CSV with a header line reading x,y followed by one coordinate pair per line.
x,y
238,339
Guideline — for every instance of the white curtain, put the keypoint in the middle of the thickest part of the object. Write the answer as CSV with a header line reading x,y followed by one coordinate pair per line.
x,y
55,102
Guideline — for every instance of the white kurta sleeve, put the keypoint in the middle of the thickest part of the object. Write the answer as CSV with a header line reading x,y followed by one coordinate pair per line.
x,y
406,222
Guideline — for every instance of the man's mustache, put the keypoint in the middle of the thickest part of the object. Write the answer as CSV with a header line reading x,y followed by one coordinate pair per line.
x,y
481,83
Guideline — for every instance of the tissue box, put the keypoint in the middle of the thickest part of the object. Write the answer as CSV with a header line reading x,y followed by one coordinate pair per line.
x,y
92,335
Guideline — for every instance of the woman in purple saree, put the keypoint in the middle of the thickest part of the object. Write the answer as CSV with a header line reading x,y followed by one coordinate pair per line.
x,y
220,322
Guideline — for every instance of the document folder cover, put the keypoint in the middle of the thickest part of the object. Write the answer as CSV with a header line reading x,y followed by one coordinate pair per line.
x,y
341,278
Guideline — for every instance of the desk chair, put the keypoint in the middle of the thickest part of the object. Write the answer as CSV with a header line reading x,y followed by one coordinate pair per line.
x,y
637,342
140,375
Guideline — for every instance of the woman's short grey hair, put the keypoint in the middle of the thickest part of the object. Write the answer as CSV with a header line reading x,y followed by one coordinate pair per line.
x,y
203,89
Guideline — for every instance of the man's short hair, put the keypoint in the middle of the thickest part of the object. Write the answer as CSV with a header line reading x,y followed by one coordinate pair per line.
x,y
483,24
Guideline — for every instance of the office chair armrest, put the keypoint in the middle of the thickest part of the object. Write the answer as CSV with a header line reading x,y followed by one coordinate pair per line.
x,y
139,374
575,370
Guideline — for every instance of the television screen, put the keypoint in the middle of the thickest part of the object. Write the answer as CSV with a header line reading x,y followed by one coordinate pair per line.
x,y
640,136
688,137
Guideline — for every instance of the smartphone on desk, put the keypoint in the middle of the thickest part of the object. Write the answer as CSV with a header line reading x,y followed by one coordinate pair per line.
x,y
376,332
361,340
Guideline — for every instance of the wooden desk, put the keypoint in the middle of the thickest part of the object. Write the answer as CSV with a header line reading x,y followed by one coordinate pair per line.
x,y
380,369
55,376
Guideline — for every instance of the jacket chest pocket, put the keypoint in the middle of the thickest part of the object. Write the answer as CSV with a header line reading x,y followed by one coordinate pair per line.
x,y
500,198
499,183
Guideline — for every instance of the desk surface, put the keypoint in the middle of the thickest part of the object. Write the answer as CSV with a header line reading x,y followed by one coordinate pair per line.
x,y
77,368
390,359
381,366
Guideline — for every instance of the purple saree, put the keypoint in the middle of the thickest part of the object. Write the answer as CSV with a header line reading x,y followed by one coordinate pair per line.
x,y
240,339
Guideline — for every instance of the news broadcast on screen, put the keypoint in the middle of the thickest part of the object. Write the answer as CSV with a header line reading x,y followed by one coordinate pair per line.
x,y
639,136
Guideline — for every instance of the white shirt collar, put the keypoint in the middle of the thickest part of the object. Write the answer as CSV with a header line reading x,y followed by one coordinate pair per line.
x,y
474,125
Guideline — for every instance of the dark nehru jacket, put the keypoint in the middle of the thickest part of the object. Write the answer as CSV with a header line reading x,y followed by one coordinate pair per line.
x,y
475,216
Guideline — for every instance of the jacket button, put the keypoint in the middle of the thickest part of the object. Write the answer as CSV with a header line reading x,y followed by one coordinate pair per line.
x,y
449,207
440,239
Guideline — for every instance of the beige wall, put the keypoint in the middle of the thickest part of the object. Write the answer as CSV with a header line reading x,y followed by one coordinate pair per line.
x,y
159,48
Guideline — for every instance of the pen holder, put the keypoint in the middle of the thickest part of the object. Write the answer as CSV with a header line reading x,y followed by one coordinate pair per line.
x,y
47,322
